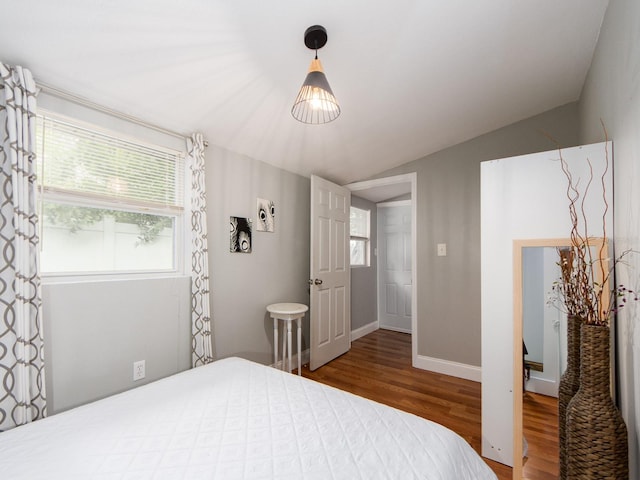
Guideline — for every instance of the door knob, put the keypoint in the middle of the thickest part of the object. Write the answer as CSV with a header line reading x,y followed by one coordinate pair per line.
x,y
317,281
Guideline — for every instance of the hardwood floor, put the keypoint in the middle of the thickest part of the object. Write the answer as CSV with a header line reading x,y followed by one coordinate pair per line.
x,y
540,427
378,367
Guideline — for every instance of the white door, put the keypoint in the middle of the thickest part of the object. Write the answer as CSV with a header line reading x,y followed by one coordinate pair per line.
x,y
394,266
330,283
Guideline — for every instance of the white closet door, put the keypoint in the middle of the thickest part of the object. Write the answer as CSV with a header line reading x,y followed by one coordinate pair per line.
x,y
394,267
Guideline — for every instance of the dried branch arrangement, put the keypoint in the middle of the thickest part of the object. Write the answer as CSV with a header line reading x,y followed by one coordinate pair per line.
x,y
586,267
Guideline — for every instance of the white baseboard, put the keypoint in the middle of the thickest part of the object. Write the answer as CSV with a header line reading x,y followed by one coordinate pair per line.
x,y
294,360
362,331
446,367
542,386
395,329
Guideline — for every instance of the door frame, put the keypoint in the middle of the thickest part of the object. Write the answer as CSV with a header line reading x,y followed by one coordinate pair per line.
x,y
411,179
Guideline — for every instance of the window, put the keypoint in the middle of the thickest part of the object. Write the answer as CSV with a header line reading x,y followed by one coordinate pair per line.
x,y
108,204
359,242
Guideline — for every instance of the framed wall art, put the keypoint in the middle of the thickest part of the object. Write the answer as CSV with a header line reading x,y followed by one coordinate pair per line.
x,y
240,238
265,215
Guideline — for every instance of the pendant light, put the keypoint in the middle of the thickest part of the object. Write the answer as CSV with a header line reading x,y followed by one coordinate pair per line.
x,y
315,103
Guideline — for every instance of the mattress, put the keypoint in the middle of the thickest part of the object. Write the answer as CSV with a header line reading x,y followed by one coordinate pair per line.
x,y
235,419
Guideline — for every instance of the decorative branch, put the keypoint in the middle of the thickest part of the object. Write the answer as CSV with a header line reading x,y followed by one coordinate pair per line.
x,y
579,289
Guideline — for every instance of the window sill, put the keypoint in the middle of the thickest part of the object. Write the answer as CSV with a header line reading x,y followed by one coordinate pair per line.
x,y
104,277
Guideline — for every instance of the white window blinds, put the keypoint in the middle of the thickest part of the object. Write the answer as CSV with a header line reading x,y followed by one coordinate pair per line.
x,y
94,165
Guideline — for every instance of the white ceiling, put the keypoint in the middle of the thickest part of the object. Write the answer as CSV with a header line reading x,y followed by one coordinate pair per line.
x,y
412,76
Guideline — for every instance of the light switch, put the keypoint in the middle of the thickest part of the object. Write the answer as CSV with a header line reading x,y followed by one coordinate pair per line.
x,y
442,249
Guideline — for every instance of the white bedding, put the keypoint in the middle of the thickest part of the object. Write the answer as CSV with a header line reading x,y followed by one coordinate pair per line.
x,y
236,419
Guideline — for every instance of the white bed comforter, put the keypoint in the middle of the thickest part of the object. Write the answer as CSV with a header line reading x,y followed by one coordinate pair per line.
x,y
236,419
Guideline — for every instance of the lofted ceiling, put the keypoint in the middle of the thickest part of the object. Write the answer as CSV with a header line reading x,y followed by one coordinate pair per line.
x,y
412,76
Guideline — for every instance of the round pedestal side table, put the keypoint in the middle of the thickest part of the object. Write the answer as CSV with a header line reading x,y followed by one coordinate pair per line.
x,y
288,313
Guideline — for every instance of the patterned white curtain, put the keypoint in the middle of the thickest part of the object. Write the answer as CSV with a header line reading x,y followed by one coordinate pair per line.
x,y
201,330
22,386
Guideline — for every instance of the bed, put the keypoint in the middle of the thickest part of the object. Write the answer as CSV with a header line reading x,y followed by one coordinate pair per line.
x,y
236,419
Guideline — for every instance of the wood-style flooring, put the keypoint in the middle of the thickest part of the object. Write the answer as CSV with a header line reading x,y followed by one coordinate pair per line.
x,y
378,367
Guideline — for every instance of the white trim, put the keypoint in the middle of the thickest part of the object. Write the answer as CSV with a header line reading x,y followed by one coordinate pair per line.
x,y
98,200
82,101
396,203
88,277
396,329
381,182
365,330
446,367
543,386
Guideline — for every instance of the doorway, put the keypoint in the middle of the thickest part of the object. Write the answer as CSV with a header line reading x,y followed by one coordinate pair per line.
x,y
394,265
383,190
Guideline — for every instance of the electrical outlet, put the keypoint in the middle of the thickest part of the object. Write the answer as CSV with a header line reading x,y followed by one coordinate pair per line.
x,y
138,370
442,249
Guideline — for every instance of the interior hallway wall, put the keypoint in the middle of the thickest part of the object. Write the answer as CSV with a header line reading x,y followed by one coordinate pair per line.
x,y
612,95
448,211
364,303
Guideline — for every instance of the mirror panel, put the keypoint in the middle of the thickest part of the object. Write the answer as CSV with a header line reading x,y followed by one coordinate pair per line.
x,y
541,323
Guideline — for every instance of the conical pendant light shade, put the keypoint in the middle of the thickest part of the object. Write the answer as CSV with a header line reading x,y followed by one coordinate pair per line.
x,y
315,103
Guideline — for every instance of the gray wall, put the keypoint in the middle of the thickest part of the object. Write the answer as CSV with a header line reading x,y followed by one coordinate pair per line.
x,y
94,331
534,293
134,320
277,269
448,211
364,280
612,94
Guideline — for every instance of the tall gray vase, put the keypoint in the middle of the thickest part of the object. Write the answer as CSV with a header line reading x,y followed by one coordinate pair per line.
x,y
569,384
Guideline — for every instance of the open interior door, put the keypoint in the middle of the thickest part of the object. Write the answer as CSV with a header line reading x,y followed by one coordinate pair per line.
x,y
330,283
